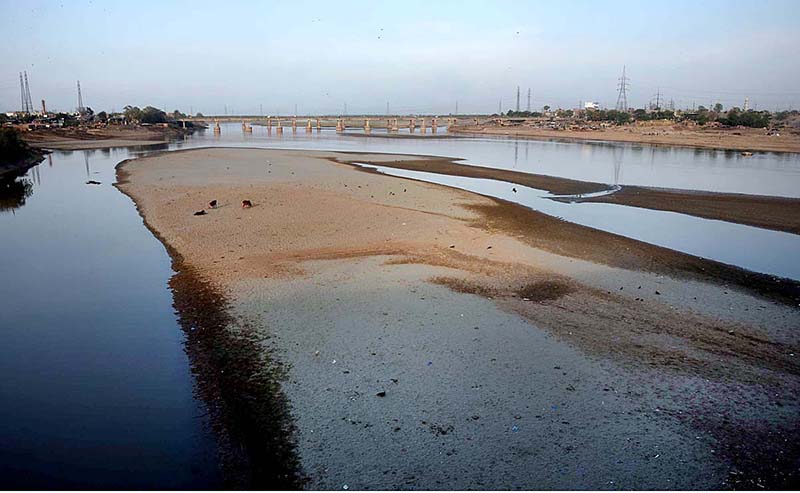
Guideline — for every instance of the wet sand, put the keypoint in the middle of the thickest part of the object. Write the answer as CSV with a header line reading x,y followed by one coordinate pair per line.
x,y
776,213
726,139
509,357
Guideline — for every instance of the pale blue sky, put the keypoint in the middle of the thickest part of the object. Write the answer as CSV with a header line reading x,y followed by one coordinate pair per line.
x,y
420,56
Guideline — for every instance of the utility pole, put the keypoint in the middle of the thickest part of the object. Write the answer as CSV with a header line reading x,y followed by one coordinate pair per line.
x,y
345,109
261,109
456,107
528,109
500,107
295,109
387,108
622,96
517,106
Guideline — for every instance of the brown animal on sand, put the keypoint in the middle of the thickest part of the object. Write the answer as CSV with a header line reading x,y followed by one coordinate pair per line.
x,y
212,204
246,204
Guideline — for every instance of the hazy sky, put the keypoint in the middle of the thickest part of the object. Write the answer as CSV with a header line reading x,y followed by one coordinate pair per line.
x,y
419,56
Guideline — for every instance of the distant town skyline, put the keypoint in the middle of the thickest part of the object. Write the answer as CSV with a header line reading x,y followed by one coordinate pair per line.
x,y
419,57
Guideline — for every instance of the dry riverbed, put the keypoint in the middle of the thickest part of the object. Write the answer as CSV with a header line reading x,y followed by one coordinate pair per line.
x,y
359,330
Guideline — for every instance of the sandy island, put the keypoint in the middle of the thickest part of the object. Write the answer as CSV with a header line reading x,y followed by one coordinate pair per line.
x,y
354,329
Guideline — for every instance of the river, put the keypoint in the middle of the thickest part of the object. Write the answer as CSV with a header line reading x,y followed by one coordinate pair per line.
x,y
97,390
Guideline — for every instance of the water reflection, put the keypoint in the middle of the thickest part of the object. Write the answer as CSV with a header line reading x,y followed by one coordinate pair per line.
x,y
657,166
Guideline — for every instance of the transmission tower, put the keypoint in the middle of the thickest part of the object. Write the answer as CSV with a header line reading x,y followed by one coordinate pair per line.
x,y
658,101
21,94
529,100
26,104
622,97
80,99
517,107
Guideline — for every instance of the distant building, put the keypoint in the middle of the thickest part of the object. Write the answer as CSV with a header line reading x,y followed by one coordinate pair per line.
x,y
591,105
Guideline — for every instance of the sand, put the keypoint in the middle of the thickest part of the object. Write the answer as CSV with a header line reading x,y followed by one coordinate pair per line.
x,y
586,369
740,139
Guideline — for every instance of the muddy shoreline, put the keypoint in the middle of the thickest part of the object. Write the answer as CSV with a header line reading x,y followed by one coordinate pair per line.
x,y
776,213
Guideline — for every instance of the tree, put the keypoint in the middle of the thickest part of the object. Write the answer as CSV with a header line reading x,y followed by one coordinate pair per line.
x,y
153,115
199,115
546,108
718,108
132,113
102,116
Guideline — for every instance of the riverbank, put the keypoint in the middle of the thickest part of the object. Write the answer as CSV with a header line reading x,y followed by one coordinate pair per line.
x,y
99,138
776,213
19,167
752,140
408,319
16,156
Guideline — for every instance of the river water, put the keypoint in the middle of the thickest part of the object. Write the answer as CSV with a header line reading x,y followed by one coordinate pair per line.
x,y
96,390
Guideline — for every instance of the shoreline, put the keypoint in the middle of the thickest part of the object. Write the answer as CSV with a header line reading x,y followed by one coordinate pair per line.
x,y
688,139
14,170
249,415
775,213
306,194
100,138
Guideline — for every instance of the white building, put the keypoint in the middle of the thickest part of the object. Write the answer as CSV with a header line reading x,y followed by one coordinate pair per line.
x,y
590,105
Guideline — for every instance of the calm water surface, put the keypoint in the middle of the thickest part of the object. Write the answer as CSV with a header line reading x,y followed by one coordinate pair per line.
x,y
613,163
96,389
